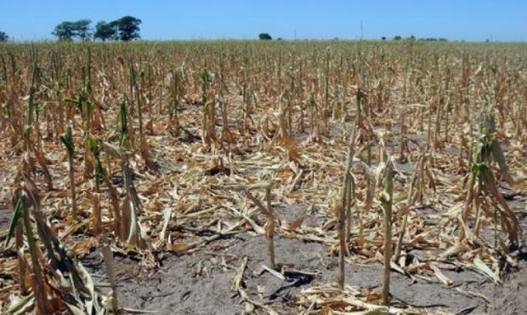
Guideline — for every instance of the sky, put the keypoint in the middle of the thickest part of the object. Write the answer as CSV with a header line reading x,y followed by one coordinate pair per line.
x,y
471,20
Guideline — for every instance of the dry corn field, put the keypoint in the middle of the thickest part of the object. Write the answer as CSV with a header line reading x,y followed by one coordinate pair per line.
x,y
263,178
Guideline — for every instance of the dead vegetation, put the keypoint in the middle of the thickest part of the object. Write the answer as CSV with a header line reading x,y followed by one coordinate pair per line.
x,y
147,148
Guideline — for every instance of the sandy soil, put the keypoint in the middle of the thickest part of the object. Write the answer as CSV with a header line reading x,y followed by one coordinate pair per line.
x,y
201,283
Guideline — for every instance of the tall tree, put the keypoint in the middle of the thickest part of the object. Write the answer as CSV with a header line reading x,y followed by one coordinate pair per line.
x,y
67,30
128,27
264,36
3,37
82,29
106,31
64,31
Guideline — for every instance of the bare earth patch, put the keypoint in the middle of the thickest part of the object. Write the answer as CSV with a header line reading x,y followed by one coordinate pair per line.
x,y
201,283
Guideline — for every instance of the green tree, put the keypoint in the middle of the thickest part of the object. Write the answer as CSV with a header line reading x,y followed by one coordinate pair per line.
x,y
106,31
67,30
128,28
3,37
81,29
264,36
64,31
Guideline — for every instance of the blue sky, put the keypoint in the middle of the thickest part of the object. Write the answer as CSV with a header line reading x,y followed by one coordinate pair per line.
x,y
475,20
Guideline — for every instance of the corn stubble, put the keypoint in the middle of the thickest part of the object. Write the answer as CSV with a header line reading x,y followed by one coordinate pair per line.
x,y
148,150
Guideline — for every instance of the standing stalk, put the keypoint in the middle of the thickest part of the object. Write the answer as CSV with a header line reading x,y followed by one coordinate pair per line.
x,y
343,211
108,262
39,288
386,200
269,226
67,140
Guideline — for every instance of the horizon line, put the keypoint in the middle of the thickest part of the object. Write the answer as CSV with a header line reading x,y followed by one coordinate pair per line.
x,y
278,39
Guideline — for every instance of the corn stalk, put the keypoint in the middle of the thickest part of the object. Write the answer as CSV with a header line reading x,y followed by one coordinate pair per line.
x,y
386,199
67,140
344,214
270,224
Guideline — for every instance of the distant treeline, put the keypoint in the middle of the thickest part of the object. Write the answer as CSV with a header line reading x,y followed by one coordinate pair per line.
x,y
412,37
126,28
3,37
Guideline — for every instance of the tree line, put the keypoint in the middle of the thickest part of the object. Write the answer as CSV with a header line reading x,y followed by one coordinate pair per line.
x,y
3,37
412,37
126,28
